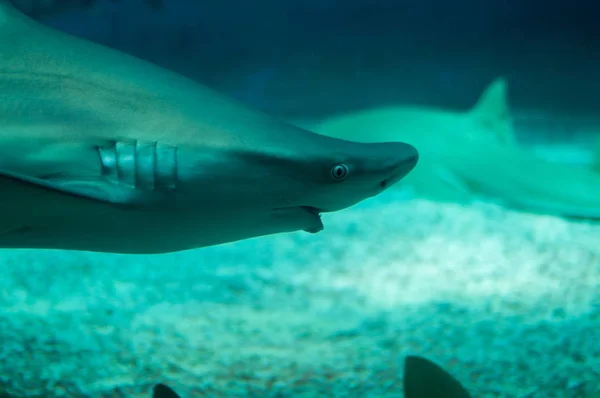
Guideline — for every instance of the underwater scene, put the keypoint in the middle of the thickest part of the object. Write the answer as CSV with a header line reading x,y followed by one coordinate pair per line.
x,y
303,198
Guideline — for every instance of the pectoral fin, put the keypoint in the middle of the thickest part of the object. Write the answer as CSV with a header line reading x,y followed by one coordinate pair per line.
x,y
434,181
453,181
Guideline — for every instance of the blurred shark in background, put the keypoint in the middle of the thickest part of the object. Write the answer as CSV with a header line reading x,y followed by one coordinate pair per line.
x,y
473,153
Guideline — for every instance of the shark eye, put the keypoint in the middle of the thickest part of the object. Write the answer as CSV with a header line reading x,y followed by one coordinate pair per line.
x,y
340,171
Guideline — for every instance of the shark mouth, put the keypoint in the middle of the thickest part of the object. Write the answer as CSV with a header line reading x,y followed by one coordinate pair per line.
x,y
316,213
312,210
311,224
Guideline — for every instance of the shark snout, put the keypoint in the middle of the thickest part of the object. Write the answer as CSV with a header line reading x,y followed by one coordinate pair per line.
x,y
404,158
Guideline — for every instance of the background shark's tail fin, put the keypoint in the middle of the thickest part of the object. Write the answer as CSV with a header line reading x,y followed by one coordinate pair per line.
x,y
493,113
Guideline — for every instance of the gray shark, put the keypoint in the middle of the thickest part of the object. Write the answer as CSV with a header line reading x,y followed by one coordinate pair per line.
x,y
422,379
104,152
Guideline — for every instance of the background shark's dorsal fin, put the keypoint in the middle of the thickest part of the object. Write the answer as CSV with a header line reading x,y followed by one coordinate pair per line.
x,y
425,379
493,113
494,98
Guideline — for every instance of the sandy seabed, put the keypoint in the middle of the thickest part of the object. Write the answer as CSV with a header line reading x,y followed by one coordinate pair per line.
x,y
508,302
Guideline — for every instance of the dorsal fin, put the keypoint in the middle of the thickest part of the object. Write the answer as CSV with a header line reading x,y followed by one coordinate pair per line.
x,y
162,391
425,379
493,113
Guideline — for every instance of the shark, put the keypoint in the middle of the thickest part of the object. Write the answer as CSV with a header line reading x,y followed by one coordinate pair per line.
x,y
473,154
423,378
104,152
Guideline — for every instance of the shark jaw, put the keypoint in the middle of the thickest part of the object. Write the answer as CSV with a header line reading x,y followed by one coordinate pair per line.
x,y
316,214
308,216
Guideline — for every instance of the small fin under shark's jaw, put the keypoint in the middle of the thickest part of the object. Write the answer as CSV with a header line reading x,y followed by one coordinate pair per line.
x,y
317,214
307,216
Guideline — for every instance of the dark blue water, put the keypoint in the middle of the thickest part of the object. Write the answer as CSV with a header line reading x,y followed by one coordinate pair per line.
x,y
422,51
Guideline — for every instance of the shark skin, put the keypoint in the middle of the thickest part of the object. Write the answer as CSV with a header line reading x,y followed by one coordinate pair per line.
x,y
104,152
465,155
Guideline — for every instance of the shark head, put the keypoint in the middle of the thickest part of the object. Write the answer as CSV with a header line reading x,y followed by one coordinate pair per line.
x,y
338,175
295,177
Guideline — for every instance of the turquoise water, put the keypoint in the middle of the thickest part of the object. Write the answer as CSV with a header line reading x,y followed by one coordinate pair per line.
x,y
505,299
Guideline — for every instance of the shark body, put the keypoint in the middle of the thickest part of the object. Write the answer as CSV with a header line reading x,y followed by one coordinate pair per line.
x,y
474,153
100,151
